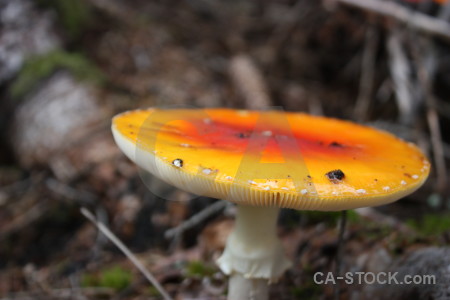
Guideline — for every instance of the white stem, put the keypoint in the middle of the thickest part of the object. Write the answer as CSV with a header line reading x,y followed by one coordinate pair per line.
x,y
255,227
253,255
241,288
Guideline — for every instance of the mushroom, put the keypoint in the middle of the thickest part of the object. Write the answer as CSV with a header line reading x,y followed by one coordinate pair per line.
x,y
264,161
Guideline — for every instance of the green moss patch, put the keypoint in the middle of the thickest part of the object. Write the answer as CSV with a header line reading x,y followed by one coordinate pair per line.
x,y
40,67
431,224
116,278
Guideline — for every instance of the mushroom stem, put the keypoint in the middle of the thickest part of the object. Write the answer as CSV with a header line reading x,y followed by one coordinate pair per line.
x,y
253,255
241,288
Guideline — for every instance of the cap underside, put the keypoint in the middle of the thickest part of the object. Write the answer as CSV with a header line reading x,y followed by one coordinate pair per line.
x,y
271,158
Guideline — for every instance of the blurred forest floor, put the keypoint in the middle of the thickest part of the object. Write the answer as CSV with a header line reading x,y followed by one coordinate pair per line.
x,y
66,67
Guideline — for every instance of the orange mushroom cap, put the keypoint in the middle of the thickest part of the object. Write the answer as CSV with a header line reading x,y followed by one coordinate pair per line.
x,y
272,158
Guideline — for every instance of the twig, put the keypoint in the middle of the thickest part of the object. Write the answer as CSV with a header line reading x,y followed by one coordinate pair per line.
x,y
17,185
300,13
249,82
438,149
384,91
380,218
413,19
28,217
83,197
400,71
7,191
446,148
367,74
74,280
61,293
426,69
196,219
127,252
34,280
442,107
24,186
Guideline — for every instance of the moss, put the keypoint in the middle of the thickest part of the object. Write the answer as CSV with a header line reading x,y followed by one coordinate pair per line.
x,y
40,67
374,231
198,269
308,291
74,16
89,280
398,242
115,278
153,292
431,224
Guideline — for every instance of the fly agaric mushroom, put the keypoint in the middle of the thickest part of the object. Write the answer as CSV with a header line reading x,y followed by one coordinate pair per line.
x,y
264,161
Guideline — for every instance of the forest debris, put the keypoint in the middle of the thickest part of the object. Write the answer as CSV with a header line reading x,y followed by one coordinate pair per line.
x,y
36,278
426,65
10,179
249,82
196,219
19,186
170,75
3,198
400,72
367,73
82,293
214,289
128,208
177,207
413,19
382,219
400,130
213,238
103,229
81,197
116,10
438,150
25,31
93,154
22,221
295,97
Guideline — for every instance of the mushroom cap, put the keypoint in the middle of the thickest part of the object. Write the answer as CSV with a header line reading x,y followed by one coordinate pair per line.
x,y
271,158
